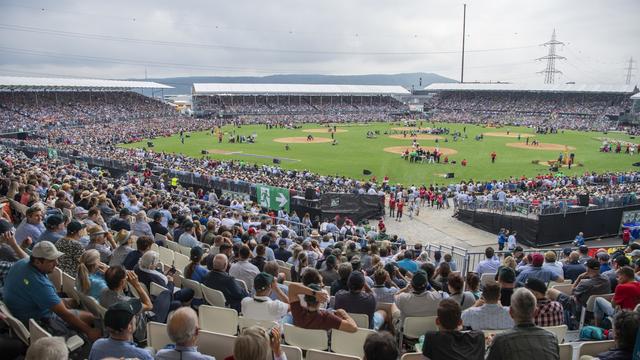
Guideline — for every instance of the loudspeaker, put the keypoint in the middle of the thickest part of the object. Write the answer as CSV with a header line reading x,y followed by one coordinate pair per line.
x,y
276,161
309,194
203,152
449,176
554,168
366,172
583,199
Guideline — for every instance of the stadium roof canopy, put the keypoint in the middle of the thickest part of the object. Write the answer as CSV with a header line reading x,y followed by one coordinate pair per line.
x,y
35,83
296,89
636,96
552,88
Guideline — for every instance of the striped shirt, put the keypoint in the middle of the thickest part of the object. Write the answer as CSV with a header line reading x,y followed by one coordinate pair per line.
x,y
487,317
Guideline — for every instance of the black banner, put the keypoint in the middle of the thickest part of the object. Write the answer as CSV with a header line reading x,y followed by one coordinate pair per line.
x,y
354,206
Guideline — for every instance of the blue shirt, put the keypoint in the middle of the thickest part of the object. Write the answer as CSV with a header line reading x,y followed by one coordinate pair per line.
x,y
540,273
29,293
25,230
408,265
199,273
183,353
97,285
107,347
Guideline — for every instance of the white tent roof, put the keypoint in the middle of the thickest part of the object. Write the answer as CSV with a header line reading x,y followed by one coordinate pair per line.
x,y
14,82
296,89
636,96
569,88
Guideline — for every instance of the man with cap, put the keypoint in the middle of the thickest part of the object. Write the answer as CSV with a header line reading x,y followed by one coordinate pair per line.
x,y
417,298
506,278
536,270
120,322
122,222
281,253
71,247
157,227
573,268
55,229
33,296
187,238
312,317
359,299
261,306
98,240
548,313
32,226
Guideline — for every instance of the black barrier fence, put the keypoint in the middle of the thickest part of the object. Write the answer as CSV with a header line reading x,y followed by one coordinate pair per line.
x,y
356,206
550,229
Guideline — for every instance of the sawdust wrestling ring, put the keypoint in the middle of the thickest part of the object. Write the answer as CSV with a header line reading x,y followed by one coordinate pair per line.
x,y
511,134
541,146
417,137
325,130
302,140
400,150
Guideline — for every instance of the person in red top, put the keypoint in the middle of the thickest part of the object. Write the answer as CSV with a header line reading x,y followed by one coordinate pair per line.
x,y
493,157
626,296
312,317
392,206
400,207
464,162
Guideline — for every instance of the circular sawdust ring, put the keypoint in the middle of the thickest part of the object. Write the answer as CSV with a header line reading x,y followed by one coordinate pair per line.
x,y
222,152
417,137
400,149
541,146
511,134
325,130
409,128
302,140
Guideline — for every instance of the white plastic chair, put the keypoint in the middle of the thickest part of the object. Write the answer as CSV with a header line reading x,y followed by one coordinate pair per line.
x,y
563,288
157,337
590,304
305,339
160,237
349,343
244,322
17,327
286,271
487,278
174,246
218,319
56,278
37,332
566,351
292,352
414,327
243,285
165,255
212,296
180,261
155,289
412,356
559,331
186,251
362,320
191,284
218,345
325,355
594,348
69,286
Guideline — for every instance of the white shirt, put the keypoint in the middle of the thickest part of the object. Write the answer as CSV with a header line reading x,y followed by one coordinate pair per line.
x,y
487,317
245,271
263,309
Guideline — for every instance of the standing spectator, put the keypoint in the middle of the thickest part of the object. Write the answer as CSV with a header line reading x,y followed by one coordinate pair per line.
x,y
548,313
525,339
489,264
579,240
488,313
31,226
183,330
449,342
511,241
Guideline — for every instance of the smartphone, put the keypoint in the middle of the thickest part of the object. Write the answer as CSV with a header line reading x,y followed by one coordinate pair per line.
x,y
171,271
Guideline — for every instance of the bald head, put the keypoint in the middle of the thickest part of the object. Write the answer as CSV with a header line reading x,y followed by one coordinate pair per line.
x,y
220,262
182,326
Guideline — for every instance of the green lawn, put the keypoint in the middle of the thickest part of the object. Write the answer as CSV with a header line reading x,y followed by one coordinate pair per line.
x,y
355,152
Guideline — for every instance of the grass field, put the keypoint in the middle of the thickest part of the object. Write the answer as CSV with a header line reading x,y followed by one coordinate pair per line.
x,y
355,152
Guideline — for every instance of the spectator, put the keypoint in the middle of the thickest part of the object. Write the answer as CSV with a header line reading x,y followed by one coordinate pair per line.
x,y
417,299
272,268
259,259
8,240
507,281
117,279
143,244
31,226
449,342
312,317
71,248
579,240
194,270
123,239
187,238
625,329
489,264
33,296
48,348
256,343
97,241
243,269
584,254
551,263
360,300
218,279
573,268
618,262
122,222
330,273
525,339
604,259
157,227
488,313
548,313
55,229
90,278
456,293
282,253
380,346
147,273
626,296
261,306
344,270
407,262
537,271
120,322
183,330
141,227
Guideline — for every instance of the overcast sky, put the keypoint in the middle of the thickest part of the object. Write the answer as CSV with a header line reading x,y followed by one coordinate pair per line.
x,y
119,39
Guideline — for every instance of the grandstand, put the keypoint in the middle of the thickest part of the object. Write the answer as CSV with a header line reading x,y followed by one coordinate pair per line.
x,y
270,99
28,103
584,107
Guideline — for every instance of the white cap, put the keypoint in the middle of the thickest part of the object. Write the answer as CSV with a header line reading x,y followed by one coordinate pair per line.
x,y
46,250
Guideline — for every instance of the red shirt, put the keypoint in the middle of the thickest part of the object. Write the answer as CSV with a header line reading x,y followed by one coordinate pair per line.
x,y
627,295
321,319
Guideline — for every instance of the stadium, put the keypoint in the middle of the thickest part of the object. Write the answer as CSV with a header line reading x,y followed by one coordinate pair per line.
x,y
319,221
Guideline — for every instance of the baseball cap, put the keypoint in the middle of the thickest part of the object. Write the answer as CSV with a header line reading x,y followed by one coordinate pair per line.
x,y
95,230
45,250
262,281
583,249
75,226
537,260
566,251
355,281
125,212
196,253
53,220
507,274
536,285
593,264
119,315
5,226
419,279
282,242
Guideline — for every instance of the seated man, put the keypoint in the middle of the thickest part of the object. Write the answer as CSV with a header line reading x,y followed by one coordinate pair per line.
x,y
380,346
312,317
359,300
526,339
548,313
260,306
488,313
449,342
29,294
625,327
418,299
626,296
536,270
120,322
183,331
218,279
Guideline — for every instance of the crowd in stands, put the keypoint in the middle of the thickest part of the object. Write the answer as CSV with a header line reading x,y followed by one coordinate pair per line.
x,y
566,111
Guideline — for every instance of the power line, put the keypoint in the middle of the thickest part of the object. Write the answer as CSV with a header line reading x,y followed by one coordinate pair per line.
x,y
550,71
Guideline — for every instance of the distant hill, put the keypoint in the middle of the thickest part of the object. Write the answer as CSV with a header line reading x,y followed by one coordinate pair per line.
x,y
182,85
